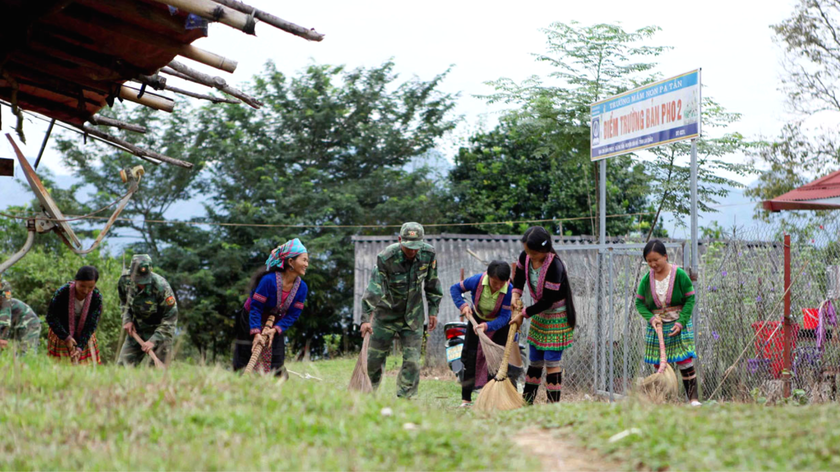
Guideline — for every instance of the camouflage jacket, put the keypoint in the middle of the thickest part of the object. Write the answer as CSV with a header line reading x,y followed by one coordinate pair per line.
x,y
395,291
19,323
152,308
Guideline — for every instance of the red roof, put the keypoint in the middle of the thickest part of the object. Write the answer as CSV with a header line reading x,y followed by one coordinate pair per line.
x,y
812,196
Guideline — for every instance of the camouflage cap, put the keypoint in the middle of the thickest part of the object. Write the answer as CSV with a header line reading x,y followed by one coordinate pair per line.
x,y
5,289
141,269
411,235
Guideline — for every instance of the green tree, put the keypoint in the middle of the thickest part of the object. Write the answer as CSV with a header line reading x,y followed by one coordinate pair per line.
x,y
328,150
162,187
592,63
811,79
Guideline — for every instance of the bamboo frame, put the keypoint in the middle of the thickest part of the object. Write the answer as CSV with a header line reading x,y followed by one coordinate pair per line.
x,y
182,71
215,12
272,20
136,150
105,121
150,100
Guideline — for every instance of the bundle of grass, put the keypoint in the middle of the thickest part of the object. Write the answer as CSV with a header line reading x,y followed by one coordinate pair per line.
x,y
493,353
499,393
663,385
266,344
360,381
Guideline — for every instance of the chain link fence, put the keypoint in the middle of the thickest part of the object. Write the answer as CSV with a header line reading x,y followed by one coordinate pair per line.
x,y
737,319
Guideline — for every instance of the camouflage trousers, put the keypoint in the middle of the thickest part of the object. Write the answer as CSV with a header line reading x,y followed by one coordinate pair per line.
x,y
132,355
380,343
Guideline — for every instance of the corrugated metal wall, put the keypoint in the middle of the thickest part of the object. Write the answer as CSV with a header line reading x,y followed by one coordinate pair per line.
x,y
452,256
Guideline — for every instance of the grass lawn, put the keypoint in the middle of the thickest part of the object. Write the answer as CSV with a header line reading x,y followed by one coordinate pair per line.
x,y
192,417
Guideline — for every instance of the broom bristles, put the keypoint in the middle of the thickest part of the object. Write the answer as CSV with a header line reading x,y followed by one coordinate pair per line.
x,y
499,393
360,380
660,387
493,353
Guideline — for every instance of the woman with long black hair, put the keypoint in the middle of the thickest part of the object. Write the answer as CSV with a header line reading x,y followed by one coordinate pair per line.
x,y
276,289
552,314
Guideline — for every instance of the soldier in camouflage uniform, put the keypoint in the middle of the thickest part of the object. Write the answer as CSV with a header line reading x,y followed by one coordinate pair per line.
x,y
394,303
18,322
149,309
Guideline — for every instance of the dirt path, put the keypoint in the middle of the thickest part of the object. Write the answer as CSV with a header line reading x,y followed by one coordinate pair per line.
x,y
559,454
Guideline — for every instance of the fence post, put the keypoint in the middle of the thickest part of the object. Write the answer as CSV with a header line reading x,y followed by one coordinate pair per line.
x,y
788,331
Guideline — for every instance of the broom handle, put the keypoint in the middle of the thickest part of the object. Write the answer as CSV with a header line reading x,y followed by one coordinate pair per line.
x,y
255,356
508,348
663,356
152,354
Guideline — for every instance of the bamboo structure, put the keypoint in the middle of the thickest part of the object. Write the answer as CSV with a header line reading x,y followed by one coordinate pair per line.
x,y
215,12
150,100
219,83
65,60
279,23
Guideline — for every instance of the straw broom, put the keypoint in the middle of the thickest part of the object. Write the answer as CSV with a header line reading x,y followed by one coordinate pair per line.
x,y
499,393
255,356
151,353
493,353
662,385
360,381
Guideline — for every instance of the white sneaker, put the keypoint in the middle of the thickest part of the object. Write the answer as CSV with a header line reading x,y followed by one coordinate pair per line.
x,y
465,405
696,403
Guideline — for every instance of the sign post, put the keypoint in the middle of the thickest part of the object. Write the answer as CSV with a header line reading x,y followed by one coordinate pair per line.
x,y
660,113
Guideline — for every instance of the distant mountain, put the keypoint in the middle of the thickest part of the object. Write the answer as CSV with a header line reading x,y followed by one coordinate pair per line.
x,y
734,209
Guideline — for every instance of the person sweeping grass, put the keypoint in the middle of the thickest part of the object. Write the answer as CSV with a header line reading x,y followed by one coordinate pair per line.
x,y
665,299
277,291
491,296
552,314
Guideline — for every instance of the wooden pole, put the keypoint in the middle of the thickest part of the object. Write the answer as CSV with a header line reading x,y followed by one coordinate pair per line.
x,y
136,150
208,58
274,21
151,353
202,96
150,100
105,121
215,12
788,324
210,81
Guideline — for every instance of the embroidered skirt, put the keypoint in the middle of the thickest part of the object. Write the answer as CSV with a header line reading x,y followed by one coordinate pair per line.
x,y
678,348
57,349
550,331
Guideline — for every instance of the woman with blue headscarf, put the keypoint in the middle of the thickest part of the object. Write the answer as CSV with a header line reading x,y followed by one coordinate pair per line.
x,y
276,289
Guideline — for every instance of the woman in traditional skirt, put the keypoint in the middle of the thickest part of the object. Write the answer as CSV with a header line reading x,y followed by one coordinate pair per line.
x,y
276,289
491,296
666,298
552,314
73,316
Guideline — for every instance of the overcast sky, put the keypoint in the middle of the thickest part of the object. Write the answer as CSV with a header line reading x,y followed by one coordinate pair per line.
x,y
730,40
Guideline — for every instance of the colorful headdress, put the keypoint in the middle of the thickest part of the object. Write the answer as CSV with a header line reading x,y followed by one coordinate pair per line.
x,y
279,255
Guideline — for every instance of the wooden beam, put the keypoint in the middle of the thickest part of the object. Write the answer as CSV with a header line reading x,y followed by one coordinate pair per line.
x,y
105,121
136,150
210,81
215,12
274,21
151,100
